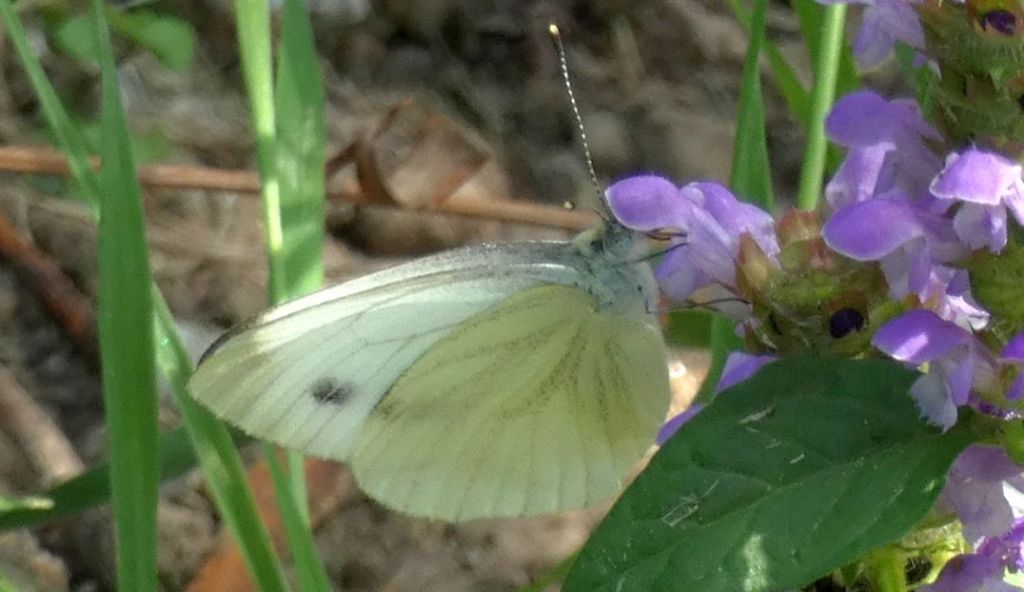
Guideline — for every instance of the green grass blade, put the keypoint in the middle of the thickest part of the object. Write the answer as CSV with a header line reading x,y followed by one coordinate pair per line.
x,y
33,503
798,100
826,71
61,125
216,452
254,49
126,338
298,54
751,175
301,151
92,488
301,157
750,179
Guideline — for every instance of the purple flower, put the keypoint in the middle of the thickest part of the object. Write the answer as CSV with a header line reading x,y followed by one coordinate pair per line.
x,y
887,150
1013,353
952,353
983,570
984,489
672,426
971,573
738,367
988,185
910,243
712,219
885,22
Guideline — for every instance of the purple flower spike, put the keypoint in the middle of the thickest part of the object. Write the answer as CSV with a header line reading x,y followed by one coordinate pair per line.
x,y
885,22
988,185
886,148
1013,353
919,337
712,218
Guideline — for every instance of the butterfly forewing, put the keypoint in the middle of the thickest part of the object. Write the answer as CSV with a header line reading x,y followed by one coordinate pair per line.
x,y
306,374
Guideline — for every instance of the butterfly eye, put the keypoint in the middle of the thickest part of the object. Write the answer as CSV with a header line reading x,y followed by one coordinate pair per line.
x,y
845,321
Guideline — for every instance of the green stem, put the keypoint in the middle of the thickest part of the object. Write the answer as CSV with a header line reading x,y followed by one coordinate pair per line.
x,y
886,569
825,77
254,36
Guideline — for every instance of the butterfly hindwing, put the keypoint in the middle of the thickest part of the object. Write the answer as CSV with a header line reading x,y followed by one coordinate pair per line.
x,y
538,404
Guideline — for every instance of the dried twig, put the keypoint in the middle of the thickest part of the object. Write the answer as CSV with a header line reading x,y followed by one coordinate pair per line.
x,y
38,436
60,297
46,160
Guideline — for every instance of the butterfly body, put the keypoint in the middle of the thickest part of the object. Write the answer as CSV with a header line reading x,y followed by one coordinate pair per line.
x,y
496,380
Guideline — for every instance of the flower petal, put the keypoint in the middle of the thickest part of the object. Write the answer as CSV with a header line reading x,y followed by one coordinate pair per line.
x,y
931,393
977,491
971,573
976,176
740,366
870,230
1014,350
645,202
981,226
919,336
861,119
672,425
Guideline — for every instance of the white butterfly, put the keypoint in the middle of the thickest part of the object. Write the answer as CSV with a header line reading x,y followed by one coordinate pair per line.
x,y
497,380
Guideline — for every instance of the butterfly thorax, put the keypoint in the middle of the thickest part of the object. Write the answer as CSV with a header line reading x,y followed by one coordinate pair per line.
x,y
615,258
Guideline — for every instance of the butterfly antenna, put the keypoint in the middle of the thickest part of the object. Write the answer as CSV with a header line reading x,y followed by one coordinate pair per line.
x,y
563,62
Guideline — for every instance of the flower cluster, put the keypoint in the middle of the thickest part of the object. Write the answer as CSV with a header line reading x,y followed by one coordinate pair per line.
x,y
920,223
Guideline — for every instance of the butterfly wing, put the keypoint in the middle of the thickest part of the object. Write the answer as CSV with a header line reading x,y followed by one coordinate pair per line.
x,y
539,404
307,373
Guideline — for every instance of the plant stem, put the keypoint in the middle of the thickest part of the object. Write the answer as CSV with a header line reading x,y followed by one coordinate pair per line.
x,y
825,77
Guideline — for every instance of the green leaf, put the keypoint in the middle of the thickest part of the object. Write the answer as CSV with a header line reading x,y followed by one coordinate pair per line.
x,y
61,125
689,328
92,487
126,337
798,100
805,467
171,40
73,36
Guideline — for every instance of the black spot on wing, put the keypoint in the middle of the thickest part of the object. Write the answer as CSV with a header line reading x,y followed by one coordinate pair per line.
x,y
330,391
